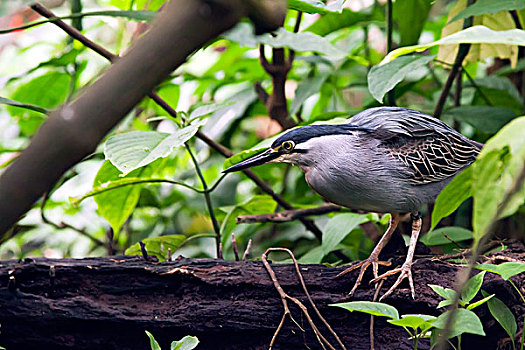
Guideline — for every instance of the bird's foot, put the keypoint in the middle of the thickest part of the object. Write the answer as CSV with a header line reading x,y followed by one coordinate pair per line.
x,y
372,260
404,272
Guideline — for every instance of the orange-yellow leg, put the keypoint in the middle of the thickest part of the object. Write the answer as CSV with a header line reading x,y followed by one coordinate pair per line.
x,y
373,259
405,270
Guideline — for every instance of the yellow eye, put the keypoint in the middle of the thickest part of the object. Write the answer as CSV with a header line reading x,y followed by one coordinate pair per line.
x,y
288,145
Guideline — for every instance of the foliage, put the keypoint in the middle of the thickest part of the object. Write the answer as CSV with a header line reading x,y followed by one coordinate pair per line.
x,y
186,343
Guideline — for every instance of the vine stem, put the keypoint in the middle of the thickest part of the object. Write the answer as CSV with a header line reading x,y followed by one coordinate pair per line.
x,y
209,204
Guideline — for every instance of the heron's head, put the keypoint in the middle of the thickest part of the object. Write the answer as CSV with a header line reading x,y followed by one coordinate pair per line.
x,y
300,146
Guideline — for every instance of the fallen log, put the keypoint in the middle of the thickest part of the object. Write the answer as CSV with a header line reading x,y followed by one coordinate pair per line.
x,y
108,303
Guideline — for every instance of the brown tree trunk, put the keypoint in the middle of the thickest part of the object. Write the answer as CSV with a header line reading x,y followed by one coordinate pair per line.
x,y
108,303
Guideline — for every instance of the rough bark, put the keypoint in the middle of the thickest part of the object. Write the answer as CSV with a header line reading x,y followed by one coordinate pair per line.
x,y
107,303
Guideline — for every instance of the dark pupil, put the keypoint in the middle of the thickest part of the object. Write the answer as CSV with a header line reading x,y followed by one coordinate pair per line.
x,y
287,146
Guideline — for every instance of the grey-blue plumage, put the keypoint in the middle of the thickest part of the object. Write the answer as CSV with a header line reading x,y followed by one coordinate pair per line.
x,y
386,159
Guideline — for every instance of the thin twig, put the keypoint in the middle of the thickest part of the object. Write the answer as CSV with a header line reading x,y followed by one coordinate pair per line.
x,y
234,246
284,296
247,251
391,97
376,294
288,215
209,203
224,151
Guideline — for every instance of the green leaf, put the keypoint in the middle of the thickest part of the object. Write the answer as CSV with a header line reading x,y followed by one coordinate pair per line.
x,y
315,6
455,193
243,34
472,287
505,270
313,256
479,302
486,119
186,343
334,21
482,7
158,246
207,109
56,86
306,89
117,205
152,342
339,227
447,293
370,307
503,315
383,78
411,16
475,35
135,149
446,235
29,106
465,321
423,322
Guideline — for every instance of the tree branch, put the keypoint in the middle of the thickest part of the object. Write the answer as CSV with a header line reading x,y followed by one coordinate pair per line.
x,y
288,215
74,131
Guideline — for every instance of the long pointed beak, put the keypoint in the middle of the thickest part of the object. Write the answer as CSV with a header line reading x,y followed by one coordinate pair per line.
x,y
262,158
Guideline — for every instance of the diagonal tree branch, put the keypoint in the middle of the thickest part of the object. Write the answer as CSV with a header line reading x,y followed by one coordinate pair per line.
x,y
224,151
74,130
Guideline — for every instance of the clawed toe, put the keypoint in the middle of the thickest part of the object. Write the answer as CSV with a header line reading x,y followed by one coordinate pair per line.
x,y
364,265
404,272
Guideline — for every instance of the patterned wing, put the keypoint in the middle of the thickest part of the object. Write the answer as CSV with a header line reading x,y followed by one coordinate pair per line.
x,y
432,158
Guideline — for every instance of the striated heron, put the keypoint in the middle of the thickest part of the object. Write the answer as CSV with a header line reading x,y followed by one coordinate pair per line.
x,y
386,159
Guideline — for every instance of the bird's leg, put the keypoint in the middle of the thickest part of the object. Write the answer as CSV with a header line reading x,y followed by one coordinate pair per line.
x,y
405,270
373,259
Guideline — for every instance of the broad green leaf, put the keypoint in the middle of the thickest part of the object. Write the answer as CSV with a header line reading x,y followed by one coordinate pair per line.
x,y
505,270
158,246
472,287
503,315
465,321
486,119
476,34
479,302
302,42
186,343
135,149
56,86
207,109
239,157
370,307
117,205
446,293
170,93
29,106
455,193
313,256
383,78
334,21
306,89
243,34
481,7
446,235
315,6
339,227
423,322
153,343
494,173
410,16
